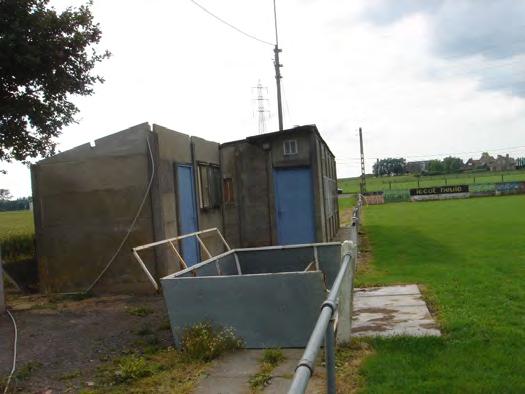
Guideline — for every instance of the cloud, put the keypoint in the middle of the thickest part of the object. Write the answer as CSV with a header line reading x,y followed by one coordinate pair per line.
x,y
483,40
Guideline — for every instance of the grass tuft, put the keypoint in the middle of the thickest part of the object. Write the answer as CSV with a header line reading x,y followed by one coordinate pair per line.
x,y
205,342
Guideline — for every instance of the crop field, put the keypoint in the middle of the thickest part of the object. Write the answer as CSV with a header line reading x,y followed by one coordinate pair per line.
x,y
403,182
468,256
16,235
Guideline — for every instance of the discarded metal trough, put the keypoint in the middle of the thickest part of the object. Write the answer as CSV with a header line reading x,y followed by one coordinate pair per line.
x,y
270,296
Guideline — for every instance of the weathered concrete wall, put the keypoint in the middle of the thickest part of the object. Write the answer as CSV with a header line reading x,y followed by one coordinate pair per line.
x,y
250,164
230,209
326,184
207,152
173,148
247,220
84,202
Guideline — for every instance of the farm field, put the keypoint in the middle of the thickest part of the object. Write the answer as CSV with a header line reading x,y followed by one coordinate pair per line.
x,y
403,182
16,234
468,256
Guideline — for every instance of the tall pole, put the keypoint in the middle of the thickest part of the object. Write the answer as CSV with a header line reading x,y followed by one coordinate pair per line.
x,y
277,66
362,186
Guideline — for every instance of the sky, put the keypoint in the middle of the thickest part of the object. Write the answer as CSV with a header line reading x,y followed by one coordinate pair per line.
x,y
424,79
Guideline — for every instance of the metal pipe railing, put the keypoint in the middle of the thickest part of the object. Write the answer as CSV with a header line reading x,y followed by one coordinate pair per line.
x,y
325,326
324,329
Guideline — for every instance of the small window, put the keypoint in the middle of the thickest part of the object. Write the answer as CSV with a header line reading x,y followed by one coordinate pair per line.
x,y
209,186
227,187
290,147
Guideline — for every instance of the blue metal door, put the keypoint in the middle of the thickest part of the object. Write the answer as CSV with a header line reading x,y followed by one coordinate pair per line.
x,y
187,213
294,205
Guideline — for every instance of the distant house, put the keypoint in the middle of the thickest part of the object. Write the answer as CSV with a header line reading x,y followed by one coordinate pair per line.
x,y
417,167
488,162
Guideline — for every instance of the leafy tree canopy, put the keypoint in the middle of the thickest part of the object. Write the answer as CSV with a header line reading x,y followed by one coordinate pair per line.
x,y
45,58
5,195
390,166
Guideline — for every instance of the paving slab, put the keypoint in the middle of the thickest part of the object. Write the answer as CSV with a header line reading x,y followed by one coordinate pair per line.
x,y
392,310
231,374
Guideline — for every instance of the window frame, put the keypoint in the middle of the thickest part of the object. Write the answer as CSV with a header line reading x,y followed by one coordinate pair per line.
x,y
290,143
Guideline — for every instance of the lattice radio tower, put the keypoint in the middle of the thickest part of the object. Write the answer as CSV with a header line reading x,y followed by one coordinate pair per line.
x,y
261,109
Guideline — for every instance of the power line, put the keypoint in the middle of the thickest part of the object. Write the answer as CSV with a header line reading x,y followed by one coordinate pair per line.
x,y
230,25
509,149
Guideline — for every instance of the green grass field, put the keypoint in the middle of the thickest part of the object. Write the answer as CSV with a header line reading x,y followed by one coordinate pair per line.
x,y
351,185
16,235
470,256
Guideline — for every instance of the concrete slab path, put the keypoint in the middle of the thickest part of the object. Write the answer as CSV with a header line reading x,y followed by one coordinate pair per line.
x,y
231,374
391,310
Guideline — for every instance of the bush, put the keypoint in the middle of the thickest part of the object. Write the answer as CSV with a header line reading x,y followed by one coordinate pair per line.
x,y
204,342
17,247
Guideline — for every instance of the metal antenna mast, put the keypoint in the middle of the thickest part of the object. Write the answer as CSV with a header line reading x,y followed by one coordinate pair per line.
x,y
362,186
277,66
260,107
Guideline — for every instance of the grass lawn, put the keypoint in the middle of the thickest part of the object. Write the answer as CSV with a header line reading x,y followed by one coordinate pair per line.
x,y
469,255
403,182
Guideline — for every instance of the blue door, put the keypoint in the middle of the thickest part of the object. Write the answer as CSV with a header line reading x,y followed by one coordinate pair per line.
x,y
187,213
294,205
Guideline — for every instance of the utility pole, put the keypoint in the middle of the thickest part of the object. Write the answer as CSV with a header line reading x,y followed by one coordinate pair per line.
x,y
277,66
362,186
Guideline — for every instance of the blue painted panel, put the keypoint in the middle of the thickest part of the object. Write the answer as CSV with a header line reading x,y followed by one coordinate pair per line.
x,y
294,204
187,213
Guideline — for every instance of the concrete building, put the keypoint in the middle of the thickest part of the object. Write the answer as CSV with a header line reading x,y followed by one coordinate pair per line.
x,y
417,167
95,202
280,188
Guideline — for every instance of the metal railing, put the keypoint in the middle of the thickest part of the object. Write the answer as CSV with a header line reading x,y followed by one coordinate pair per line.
x,y
326,323
178,255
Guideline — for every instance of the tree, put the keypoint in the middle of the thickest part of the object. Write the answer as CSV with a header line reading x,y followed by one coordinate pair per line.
x,y
389,166
5,195
45,57
452,164
435,167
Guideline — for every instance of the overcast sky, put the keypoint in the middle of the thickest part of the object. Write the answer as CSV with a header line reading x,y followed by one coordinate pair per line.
x,y
422,78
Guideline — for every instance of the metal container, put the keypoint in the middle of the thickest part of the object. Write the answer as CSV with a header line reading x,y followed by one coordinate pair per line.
x,y
269,296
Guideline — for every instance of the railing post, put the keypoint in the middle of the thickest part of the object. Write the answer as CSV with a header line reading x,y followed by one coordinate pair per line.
x,y
330,357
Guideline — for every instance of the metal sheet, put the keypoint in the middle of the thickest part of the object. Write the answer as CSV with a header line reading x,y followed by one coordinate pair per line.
x,y
265,310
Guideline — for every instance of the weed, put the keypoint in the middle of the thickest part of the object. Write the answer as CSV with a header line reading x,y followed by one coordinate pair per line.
x,y
260,380
204,342
273,356
26,370
140,311
131,368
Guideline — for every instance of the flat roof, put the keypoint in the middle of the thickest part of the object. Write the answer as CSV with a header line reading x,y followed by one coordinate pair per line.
x,y
311,128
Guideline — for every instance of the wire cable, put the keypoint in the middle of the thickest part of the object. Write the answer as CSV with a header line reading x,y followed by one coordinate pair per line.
x,y
230,25
14,351
132,225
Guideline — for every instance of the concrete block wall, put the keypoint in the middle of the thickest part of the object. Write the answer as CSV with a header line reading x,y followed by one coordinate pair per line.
x,y
84,202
